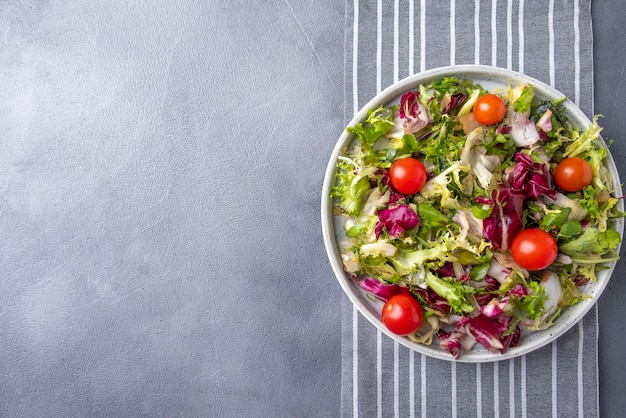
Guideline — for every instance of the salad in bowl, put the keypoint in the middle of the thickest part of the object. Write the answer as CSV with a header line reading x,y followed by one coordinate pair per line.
x,y
472,214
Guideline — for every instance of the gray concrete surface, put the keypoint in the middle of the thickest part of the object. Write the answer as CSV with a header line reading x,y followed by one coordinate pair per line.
x,y
160,178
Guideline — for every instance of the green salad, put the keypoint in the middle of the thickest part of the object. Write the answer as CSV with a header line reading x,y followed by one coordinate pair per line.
x,y
474,214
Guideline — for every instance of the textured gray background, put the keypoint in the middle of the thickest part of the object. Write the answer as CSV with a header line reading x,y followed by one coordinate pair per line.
x,y
160,170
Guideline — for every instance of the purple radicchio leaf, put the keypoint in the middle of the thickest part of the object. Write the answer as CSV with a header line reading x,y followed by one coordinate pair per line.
x,y
495,307
423,135
544,136
498,272
379,289
454,100
451,342
483,299
396,220
580,280
433,300
394,195
511,340
446,270
545,122
460,323
488,331
503,129
465,276
483,200
491,286
584,225
531,178
415,115
523,131
505,220
518,290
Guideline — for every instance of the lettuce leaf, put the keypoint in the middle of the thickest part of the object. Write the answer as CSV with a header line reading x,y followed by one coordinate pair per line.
x,y
530,305
523,102
457,294
377,124
352,185
555,219
592,241
584,142
407,262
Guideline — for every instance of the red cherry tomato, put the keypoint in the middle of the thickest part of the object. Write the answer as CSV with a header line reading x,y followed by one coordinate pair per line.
x,y
402,314
534,249
408,175
573,174
489,109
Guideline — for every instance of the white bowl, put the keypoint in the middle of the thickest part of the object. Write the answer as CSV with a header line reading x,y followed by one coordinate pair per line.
x,y
489,78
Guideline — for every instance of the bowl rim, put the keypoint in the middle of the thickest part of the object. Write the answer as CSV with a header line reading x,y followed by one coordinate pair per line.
x,y
571,316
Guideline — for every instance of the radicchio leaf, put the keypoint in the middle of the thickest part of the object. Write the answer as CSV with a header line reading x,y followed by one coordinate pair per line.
x,y
523,131
497,271
492,284
483,299
394,196
545,122
518,290
531,178
451,342
488,331
396,220
379,289
483,200
505,220
416,116
446,270
433,300
580,280
455,100
511,340
495,307
465,276
503,129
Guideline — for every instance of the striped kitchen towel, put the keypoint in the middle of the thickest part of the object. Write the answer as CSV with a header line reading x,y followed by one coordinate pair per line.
x,y
387,41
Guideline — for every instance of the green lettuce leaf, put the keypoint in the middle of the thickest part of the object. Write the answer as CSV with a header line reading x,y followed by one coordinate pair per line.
x,y
456,293
351,187
585,141
570,229
555,218
530,305
592,241
377,124
407,262
523,102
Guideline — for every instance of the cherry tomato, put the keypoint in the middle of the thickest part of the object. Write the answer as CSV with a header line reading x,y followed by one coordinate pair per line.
x,y
573,174
402,314
534,249
489,109
408,175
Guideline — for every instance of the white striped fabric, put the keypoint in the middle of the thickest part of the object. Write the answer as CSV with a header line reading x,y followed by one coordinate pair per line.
x,y
387,40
